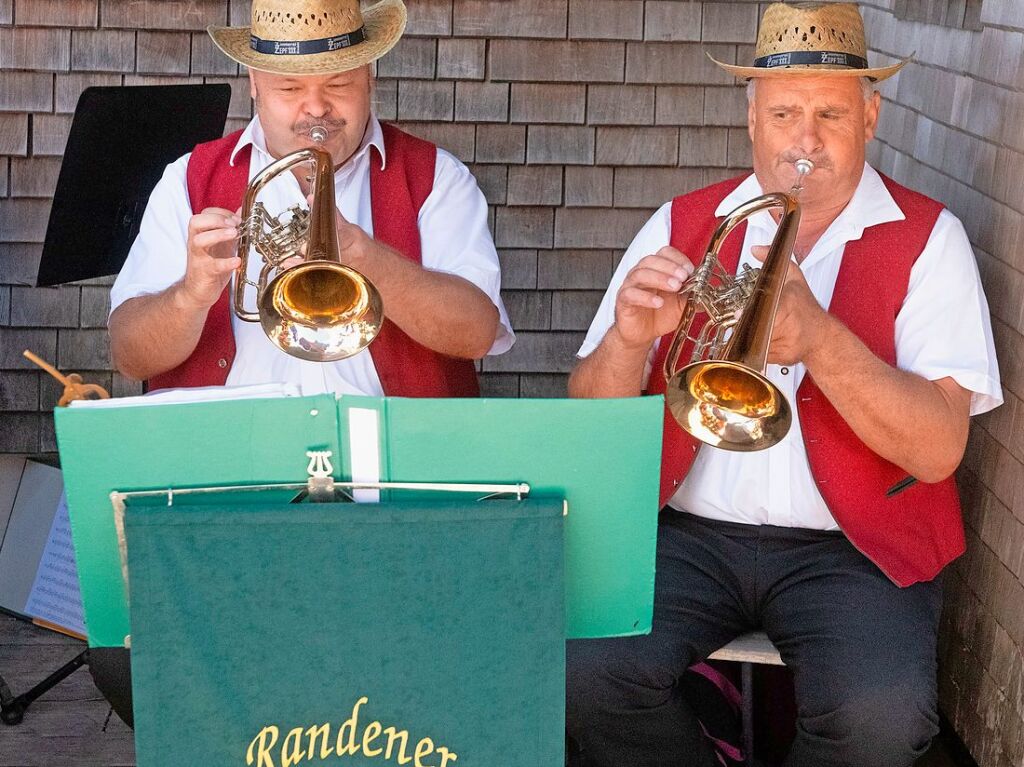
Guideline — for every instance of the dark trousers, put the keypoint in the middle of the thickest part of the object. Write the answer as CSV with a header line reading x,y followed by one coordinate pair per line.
x,y
862,650
111,670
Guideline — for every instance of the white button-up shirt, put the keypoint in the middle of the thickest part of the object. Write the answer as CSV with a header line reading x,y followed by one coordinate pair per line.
x,y
453,230
943,330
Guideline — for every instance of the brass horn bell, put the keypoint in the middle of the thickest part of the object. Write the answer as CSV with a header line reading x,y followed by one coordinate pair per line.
x,y
320,309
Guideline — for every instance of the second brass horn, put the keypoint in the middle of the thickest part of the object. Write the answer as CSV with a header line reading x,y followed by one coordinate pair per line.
x,y
722,396
320,309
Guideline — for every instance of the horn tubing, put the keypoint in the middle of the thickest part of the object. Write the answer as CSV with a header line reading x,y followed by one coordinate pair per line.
x,y
256,186
750,338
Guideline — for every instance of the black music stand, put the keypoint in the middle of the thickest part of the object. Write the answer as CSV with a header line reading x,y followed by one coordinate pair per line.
x,y
121,140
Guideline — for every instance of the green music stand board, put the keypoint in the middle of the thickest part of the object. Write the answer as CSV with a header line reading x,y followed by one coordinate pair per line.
x,y
601,456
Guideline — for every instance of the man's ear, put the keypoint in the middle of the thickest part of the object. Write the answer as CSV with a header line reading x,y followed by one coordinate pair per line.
x,y
252,85
751,116
872,109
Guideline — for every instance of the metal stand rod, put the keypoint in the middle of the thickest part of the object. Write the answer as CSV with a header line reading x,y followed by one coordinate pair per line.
x,y
747,682
12,709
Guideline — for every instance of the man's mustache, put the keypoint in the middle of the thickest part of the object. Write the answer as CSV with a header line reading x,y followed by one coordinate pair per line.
x,y
820,160
303,128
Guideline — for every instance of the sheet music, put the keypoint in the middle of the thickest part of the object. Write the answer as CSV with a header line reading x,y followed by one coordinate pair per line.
x,y
55,595
202,394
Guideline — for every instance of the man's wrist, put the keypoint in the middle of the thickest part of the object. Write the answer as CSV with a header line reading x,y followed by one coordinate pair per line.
x,y
353,241
184,300
823,341
378,262
622,346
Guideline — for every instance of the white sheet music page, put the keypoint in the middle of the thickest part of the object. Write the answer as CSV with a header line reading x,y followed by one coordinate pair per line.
x,y
201,394
55,596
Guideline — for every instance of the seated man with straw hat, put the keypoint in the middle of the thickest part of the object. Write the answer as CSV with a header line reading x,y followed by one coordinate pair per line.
x,y
410,217
832,540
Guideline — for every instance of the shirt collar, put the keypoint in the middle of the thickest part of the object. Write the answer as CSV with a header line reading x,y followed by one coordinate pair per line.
x,y
373,137
870,205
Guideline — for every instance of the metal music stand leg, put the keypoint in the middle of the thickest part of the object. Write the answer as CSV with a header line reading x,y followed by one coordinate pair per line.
x,y
12,709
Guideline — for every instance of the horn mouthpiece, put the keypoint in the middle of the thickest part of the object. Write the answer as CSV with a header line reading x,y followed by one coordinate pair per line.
x,y
804,166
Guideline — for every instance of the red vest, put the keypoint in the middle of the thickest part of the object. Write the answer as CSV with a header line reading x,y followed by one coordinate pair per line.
x,y
405,368
912,535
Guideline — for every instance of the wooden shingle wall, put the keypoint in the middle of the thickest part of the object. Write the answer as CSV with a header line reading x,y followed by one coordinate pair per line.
x,y
952,127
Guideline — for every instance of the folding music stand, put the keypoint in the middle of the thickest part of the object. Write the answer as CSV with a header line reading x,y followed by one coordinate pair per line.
x,y
31,587
121,140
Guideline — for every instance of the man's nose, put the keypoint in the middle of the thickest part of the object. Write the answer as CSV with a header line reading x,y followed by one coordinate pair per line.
x,y
809,140
317,105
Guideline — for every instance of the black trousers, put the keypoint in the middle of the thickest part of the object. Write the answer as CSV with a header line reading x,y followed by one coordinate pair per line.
x,y
862,650
111,670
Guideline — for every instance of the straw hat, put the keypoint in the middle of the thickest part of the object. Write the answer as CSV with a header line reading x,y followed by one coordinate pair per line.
x,y
811,39
313,37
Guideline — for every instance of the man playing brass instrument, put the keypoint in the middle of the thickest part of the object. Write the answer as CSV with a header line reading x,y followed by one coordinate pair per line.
x,y
833,539
410,217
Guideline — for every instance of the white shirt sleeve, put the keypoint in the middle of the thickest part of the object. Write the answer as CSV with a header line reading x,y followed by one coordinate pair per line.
x,y
158,256
654,235
944,328
456,239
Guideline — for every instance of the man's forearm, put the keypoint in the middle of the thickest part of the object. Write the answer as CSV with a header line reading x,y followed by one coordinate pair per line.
x,y
152,334
443,312
613,369
917,424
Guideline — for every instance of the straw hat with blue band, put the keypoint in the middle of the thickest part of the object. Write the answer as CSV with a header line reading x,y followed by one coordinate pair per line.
x,y
811,39
313,37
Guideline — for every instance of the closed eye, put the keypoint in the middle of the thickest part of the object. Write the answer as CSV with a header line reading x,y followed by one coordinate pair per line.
x,y
780,112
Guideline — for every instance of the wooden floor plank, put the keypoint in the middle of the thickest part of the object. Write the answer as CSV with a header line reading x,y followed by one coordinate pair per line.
x,y
51,719
18,750
14,631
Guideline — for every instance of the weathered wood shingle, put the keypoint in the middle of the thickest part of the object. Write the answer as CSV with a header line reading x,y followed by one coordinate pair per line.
x,y
57,13
35,48
164,14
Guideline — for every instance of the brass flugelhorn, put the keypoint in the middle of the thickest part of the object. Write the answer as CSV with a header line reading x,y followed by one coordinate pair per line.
x,y
320,309
722,396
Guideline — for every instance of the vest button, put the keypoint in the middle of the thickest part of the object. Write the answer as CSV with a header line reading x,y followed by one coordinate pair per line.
x,y
222,363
